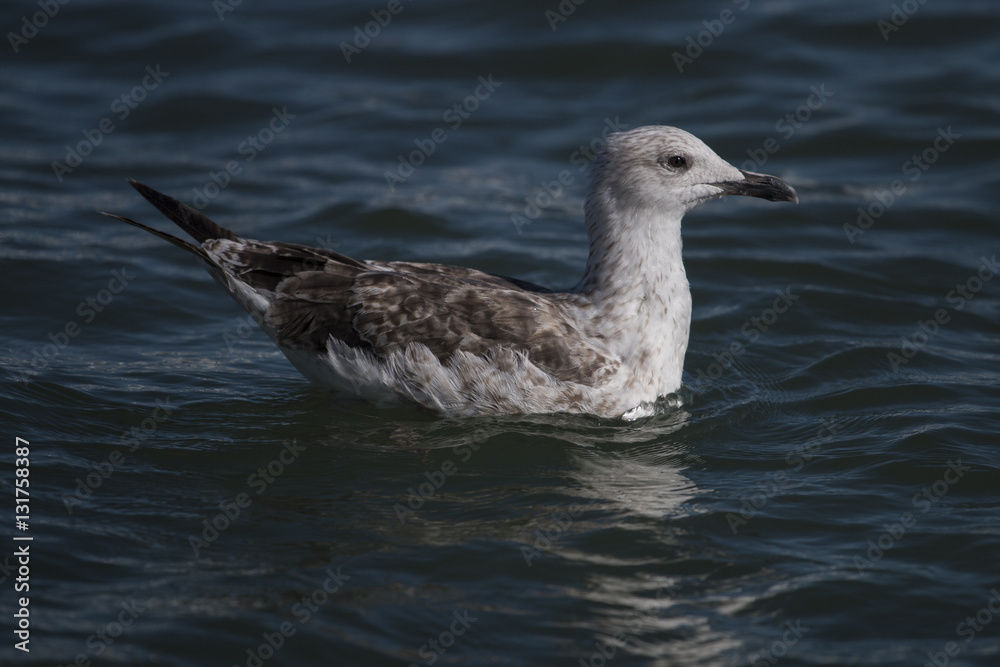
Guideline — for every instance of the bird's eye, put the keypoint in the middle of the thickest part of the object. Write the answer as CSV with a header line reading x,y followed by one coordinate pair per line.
x,y
673,162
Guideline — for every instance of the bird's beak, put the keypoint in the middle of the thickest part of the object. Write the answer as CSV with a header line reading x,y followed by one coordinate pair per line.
x,y
759,185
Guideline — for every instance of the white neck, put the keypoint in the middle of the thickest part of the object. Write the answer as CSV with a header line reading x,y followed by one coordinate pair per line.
x,y
635,276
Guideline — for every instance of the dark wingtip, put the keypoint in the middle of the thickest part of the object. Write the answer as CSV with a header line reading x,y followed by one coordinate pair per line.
x,y
199,226
187,245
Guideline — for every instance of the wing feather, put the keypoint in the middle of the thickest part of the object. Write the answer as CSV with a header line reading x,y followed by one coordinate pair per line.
x,y
451,309
386,306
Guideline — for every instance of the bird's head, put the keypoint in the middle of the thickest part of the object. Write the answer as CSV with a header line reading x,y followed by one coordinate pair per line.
x,y
672,171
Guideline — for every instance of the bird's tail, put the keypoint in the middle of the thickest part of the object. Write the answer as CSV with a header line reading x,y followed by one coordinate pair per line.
x,y
191,221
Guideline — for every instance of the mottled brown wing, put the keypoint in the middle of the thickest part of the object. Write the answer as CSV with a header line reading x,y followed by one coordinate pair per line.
x,y
384,307
310,290
452,308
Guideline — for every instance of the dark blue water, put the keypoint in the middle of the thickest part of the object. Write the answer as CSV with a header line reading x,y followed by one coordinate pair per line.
x,y
829,493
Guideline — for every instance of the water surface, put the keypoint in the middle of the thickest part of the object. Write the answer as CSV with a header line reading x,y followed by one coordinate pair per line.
x,y
827,494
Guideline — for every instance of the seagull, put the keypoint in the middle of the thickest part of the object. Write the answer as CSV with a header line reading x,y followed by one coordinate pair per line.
x,y
460,342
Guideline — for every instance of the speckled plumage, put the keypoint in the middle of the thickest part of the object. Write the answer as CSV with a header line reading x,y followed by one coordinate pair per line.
x,y
462,342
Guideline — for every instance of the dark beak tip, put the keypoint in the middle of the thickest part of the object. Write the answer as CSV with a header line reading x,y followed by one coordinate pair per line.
x,y
762,186
791,195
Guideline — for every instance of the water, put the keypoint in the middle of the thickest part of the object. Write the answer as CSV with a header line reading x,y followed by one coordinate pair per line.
x,y
826,495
